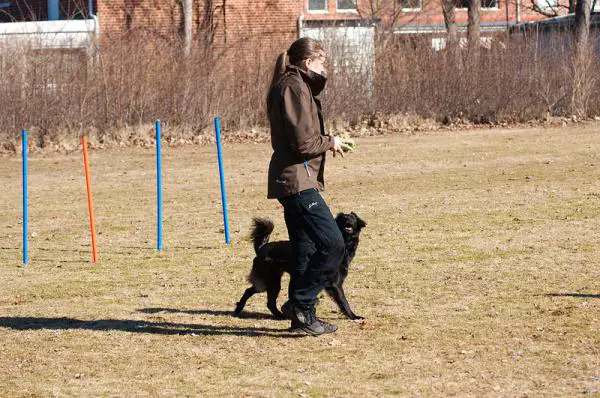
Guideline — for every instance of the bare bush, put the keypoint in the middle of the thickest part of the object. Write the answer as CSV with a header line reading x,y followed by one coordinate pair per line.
x,y
132,81
512,80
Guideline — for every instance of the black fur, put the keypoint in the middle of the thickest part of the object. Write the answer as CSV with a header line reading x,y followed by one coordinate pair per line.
x,y
274,258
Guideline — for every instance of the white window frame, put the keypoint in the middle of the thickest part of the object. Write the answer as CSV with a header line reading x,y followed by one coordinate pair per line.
x,y
347,10
544,4
491,8
325,11
482,7
415,9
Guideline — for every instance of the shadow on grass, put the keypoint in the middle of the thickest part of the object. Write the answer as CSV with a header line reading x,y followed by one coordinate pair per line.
x,y
116,254
582,295
137,326
84,255
48,249
45,249
153,248
192,247
52,260
245,314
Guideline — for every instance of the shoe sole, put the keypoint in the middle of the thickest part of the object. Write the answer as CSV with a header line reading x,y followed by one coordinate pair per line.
x,y
310,332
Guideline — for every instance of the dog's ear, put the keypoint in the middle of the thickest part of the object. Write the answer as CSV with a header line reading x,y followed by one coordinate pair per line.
x,y
339,220
361,224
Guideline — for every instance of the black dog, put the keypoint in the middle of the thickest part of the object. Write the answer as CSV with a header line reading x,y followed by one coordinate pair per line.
x,y
274,258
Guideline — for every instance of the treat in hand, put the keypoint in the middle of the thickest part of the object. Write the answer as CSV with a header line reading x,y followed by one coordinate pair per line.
x,y
348,141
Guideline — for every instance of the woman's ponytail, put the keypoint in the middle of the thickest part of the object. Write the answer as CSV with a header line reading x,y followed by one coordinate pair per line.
x,y
280,66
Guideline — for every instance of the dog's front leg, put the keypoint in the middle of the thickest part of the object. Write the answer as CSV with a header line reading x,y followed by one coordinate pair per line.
x,y
337,293
247,294
272,292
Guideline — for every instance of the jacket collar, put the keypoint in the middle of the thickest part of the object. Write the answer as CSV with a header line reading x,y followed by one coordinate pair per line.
x,y
315,81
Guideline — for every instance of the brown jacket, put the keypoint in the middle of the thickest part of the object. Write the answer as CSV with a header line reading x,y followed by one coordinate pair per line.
x,y
297,134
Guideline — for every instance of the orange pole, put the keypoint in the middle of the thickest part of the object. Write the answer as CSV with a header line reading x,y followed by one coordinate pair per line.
x,y
89,197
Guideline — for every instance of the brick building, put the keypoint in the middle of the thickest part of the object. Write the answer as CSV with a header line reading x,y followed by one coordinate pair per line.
x,y
273,22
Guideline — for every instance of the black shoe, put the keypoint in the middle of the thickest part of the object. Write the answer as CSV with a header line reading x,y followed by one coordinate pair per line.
x,y
317,328
304,320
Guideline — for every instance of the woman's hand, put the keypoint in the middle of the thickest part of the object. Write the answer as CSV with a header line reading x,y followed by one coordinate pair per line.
x,y
340,147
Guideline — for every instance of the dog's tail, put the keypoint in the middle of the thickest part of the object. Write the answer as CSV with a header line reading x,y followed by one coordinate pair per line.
x,y
261,232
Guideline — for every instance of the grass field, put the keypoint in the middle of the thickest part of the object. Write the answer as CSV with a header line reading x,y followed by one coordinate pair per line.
x,y
478,273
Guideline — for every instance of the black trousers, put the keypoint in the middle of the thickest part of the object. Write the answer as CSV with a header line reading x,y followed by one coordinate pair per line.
x,y
317,243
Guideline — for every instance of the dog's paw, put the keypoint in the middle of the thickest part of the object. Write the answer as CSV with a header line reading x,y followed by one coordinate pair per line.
x,y
277,314
358,318
237,312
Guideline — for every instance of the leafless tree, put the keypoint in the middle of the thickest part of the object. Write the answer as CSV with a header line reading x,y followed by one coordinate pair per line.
x,y
208,17
211,18
392,9
583,78
187,26
448,8
473,25
582,24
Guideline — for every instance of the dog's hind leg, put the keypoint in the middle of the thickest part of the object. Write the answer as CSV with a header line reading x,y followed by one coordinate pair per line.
x,y
247,294
337,294
272,292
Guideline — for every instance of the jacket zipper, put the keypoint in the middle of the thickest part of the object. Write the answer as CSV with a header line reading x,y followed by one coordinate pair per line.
x,y
306,167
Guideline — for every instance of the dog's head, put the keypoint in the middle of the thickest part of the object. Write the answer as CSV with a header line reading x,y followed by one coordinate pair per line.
x,y
350,224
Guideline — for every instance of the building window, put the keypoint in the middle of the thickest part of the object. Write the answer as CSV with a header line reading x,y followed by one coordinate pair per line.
x,y
410,5
489,3
317,5
484,3
546,3
346,5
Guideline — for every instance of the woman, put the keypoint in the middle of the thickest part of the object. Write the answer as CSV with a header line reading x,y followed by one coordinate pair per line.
x,y
296,177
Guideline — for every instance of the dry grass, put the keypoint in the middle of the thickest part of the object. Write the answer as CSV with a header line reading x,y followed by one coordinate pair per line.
x,y
478,273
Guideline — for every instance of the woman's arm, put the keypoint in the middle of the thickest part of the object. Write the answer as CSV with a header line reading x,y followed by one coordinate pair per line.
x,y
304,136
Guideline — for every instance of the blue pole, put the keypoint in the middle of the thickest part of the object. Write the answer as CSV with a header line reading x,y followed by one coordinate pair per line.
x,y
25,226
222,177
158,187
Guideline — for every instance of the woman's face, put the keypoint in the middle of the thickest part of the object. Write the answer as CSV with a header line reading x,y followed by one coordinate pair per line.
x,y
317,64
